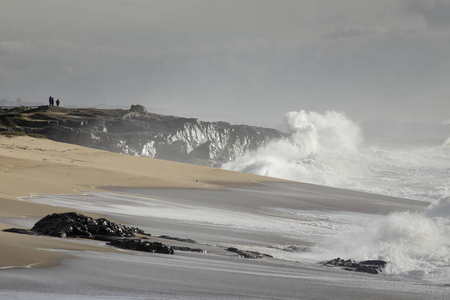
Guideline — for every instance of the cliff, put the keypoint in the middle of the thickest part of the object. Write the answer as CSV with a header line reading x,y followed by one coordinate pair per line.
x,y
138,132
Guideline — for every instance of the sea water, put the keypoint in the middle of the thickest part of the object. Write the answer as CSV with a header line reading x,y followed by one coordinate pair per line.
x,y
272,219
325,149
329,149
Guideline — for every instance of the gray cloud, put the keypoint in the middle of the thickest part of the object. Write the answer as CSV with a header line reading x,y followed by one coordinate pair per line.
x,y
239,61
353,31
435,12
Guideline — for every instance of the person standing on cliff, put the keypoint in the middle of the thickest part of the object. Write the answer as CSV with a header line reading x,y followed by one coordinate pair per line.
x,y
57,102
50,101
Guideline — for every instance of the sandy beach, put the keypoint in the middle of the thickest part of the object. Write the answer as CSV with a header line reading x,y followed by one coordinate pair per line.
x,y
40,166
218,208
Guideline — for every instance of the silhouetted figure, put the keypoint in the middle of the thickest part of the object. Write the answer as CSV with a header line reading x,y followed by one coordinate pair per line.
x,y
57,102
50,101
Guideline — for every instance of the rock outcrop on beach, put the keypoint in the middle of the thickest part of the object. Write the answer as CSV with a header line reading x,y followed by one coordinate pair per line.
x,y
76,225
367,266
141,245
138,132
248,254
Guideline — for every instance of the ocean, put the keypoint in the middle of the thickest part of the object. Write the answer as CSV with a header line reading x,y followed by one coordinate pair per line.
x,y
330,150
298,224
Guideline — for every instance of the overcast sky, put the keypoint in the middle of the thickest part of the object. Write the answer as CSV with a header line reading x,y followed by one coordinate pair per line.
x,y
239,61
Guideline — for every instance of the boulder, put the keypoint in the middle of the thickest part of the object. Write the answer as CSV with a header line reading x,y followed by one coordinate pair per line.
x,y
72,224
138,108
141,245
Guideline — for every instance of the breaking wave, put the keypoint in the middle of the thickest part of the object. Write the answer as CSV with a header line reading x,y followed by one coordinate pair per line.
x,y
415,245
328,149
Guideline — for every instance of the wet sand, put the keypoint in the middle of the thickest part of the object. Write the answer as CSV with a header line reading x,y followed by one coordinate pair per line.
x,y
194,276
29,165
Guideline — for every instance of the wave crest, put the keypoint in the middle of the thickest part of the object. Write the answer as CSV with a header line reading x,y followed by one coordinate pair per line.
x,y
312,137
327,149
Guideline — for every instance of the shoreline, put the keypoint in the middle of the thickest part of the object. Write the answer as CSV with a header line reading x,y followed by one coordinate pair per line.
x,y
246,212
40,166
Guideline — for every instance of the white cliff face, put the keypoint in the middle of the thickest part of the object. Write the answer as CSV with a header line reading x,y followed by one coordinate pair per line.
x,y
167,137
137,132
219,141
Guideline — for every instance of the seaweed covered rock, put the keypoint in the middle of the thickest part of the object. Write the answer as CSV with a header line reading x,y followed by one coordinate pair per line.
x,y
72,224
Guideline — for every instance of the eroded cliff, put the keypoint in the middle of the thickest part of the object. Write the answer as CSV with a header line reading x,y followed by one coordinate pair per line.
x,y
138,132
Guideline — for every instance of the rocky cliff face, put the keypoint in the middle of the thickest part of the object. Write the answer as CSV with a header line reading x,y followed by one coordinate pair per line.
x,y
138,132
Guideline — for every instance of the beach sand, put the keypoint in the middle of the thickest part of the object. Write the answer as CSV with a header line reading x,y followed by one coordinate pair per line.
x,y
217,207
40,166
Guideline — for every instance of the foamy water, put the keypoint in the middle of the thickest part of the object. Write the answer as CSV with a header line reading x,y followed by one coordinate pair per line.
x,y
328,149
414,244
323,149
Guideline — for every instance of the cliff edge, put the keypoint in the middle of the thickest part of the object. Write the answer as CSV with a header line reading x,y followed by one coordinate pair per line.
x,y
139,132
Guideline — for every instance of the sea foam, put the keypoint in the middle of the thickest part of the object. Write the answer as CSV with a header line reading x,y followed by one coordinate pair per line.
x,y
415,245
328,149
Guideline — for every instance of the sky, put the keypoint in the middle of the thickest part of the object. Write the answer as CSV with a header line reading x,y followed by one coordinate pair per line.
x,y
245,61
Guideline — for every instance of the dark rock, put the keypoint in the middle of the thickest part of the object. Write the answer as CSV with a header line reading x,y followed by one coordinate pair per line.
x,y
177,239
138,108
140,245
104,238
367,266
187,249
73,224
248,254
203,151
175,151
76,225
20,231
232,249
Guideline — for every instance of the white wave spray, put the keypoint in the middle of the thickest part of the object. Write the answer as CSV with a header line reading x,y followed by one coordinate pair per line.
x,y
327,149
415,245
